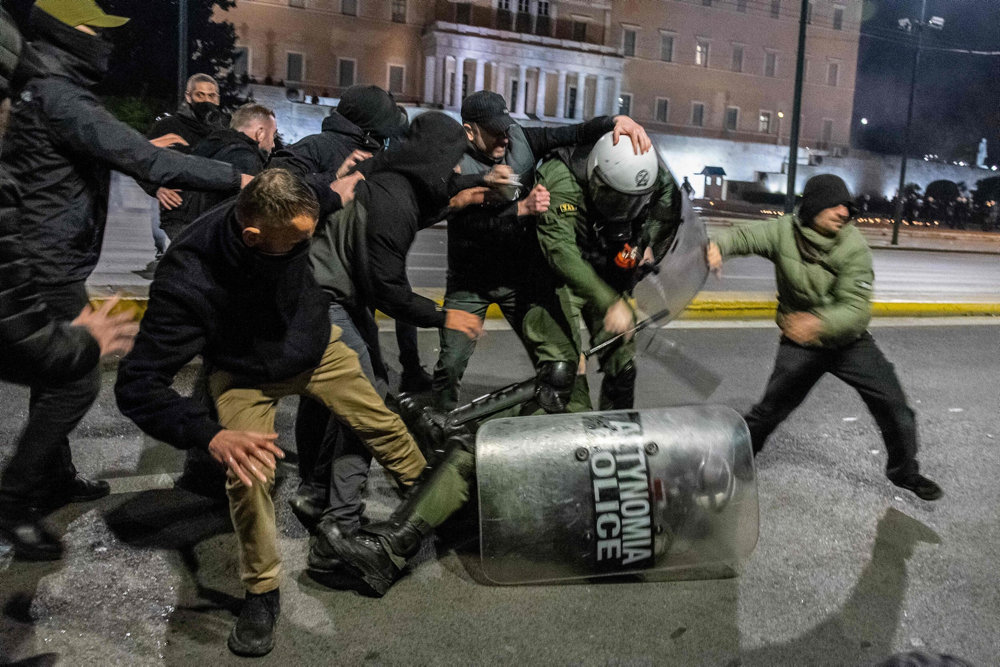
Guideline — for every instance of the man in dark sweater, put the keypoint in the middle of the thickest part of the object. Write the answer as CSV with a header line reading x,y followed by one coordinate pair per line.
x,y
196,118
245,144
237,289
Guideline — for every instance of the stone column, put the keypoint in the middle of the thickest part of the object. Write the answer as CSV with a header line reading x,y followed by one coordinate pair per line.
x,y
540,94
440,79
522,88
430,69
617,88
601,95
495,77
456,93
480,74
561,95
581,83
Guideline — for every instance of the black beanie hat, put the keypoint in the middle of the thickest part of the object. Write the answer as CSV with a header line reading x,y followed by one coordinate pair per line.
x,y
373,110
822,192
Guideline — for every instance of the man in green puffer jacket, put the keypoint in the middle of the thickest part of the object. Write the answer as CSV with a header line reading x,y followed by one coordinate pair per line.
x,y
824,273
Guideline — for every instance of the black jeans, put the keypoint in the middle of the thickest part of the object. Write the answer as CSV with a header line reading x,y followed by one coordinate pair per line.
x,y
862,366
42,465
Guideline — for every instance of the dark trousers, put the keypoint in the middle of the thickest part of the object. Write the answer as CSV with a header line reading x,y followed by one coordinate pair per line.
x,y
42,464
862,366
333,462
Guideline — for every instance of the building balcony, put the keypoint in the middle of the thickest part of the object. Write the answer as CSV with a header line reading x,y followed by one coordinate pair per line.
x,y
514,25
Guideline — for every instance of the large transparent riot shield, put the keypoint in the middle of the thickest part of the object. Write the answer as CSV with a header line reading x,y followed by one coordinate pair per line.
x,y
585,495
680,274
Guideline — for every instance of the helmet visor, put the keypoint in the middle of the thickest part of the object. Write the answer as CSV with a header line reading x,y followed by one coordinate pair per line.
x,y
613,205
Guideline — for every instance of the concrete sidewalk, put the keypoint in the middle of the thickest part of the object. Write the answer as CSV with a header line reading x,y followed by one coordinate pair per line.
x,y
128,252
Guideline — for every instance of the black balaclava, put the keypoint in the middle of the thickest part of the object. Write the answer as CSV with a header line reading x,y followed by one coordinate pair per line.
x,y
822,192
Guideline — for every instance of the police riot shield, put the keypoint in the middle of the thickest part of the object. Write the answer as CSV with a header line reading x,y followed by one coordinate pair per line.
x,y
682,271
583,495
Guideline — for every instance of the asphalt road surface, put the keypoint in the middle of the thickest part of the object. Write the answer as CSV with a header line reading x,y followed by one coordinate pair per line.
x,y
847,571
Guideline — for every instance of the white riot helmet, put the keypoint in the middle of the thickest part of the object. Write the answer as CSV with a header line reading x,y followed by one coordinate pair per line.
x,y
620,181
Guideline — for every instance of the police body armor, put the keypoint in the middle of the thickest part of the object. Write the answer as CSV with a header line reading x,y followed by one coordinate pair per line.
x,y
621,492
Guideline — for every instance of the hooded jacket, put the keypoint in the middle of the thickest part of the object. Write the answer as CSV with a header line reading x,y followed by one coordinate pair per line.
x,y
326,151
261,318
37,347
359,253
830,277
62,144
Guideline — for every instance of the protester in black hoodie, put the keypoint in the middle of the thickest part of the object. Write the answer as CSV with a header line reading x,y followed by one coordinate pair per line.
x,y
359,258
237,289
61,148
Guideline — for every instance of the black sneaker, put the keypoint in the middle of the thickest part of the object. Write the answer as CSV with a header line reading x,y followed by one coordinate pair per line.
x,y
924,488
253,634
30,539
360,556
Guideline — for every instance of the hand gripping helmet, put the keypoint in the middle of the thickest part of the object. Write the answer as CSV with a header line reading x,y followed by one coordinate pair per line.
x,y
620,182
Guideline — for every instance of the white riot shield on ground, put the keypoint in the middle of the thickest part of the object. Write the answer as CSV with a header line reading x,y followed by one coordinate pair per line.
x,y
583,495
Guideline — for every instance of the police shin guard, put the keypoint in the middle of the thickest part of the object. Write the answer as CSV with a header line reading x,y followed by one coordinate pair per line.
x,y
377,554
555,385
618,391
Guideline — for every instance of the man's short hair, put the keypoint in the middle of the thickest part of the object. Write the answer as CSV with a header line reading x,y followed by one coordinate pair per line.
x,y
199,78
249,114
273,199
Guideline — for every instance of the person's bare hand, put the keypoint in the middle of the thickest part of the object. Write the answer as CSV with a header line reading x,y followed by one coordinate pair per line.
x,y
352,159
468,197
640,140
536,202
169,199
467,323
344,186
245,180
647,257
114,333
802,328
168,140
501,174
713,256
618,318
246,453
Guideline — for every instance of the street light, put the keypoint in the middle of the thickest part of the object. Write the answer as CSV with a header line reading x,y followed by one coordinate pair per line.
x,y
864,121
937,23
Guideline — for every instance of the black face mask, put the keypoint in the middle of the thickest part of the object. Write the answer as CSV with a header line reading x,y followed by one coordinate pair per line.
x,y
206,112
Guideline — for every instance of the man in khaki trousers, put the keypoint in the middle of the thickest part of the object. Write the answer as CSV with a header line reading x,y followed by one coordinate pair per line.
x,y
237,289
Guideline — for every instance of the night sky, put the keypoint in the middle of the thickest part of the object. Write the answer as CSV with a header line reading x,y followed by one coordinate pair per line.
x,y
957,95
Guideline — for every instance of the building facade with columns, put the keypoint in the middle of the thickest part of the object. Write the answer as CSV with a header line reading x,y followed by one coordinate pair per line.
x,y
711,68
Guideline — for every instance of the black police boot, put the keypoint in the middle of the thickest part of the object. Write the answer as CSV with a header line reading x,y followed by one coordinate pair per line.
x,y
308,505
924,488
30,539
253,634
375,555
